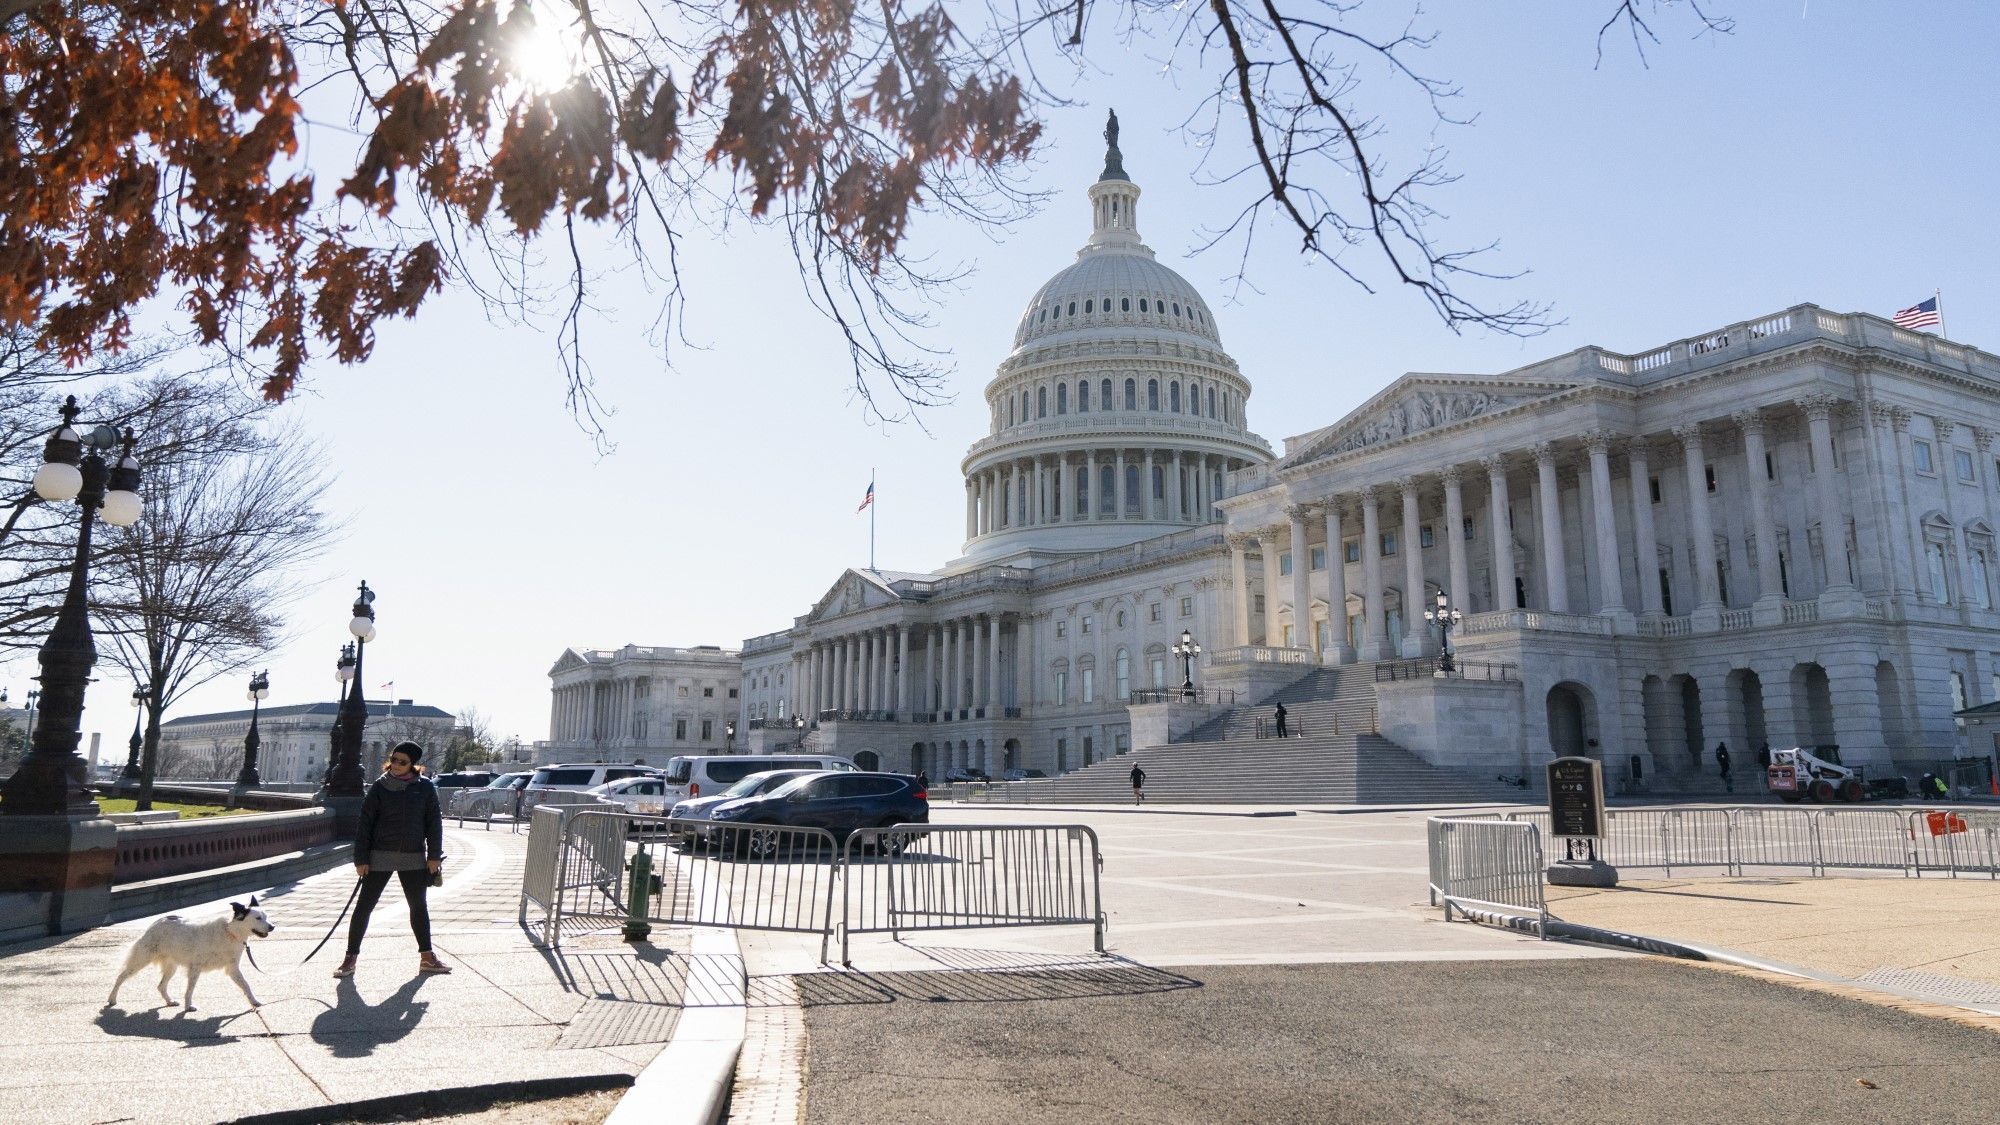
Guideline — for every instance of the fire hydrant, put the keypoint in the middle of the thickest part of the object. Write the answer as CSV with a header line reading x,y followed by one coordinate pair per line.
x,y
641,887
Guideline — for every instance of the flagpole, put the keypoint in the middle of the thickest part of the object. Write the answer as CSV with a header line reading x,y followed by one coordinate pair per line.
x,y
1938,296
871,518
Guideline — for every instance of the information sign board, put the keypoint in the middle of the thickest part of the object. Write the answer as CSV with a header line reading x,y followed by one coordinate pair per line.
x,y
1576,797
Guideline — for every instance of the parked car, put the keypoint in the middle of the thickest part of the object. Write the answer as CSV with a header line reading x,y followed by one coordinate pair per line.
x,y
576,777
646,794
1022,775
705,775
699,808
963,773
500,796
837,802
464,779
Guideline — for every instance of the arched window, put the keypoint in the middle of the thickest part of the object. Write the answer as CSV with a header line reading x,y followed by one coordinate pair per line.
x,y
1083,492
1010,410
1142,304
1174,397
1211,402
1024,404
1131,394
1177,308
1044,319
1124,304
1940,579
1159,482
1107,489
1132,487
1088,307
1041,402
1062,398
1104,395
1083,397
1152,394
1124,674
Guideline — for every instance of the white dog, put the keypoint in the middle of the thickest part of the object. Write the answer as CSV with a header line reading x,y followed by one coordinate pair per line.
x,y
196,947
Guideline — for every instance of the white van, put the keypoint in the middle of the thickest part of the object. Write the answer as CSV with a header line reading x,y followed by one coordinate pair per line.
x,y
577,777
708,774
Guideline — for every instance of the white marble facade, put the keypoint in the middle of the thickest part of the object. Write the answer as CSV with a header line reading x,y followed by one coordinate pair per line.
x,y
294,741
642,703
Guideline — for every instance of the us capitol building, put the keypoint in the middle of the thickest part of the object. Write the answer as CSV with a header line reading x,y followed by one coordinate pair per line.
x,y
1779,531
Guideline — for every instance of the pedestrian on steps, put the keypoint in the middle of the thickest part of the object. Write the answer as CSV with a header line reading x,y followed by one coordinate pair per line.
x,y
1722,765
1138,784
1282,731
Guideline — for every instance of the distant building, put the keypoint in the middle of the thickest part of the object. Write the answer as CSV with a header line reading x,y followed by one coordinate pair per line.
x,y
641,704
295,740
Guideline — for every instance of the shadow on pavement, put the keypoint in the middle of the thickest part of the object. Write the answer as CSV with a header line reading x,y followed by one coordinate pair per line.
x,y
972,976
353,1027
156,1023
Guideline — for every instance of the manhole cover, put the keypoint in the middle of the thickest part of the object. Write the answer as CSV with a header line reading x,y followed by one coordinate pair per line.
x,y
617,1023
1934,986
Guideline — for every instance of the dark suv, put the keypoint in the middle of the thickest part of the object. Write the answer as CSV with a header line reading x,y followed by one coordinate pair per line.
x,y
838,802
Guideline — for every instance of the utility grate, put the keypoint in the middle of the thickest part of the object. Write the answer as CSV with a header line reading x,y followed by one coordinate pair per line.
x,y
618,1023
1933,986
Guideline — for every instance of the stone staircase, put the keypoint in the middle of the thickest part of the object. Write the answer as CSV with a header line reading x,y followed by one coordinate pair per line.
x,y
1335,757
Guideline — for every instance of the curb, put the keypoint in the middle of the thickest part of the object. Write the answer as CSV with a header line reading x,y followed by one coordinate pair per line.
x,y
690,1079
455,1099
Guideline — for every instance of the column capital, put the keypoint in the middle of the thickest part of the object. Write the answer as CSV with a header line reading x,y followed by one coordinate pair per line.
x,y
1276,533
1450,476
1599,442
1239,540
1943,428
1688,434
1299,513
1883,412
1899,418
1639,448
1406,484
1495,464
1819,407
1749,421
1982,438
1367,495
1544,453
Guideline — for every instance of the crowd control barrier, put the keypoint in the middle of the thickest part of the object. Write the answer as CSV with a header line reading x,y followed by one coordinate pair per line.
x,y
1484,865
1920,841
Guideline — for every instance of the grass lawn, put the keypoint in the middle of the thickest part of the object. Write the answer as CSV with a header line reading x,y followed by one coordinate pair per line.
x,y
188,812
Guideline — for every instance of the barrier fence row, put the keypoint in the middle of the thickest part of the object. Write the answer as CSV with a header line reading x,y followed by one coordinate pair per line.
x,y
1482,864
1949,841
600,866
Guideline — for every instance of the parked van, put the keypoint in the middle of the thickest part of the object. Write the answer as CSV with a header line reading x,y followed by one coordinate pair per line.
x,y
708,774
577,777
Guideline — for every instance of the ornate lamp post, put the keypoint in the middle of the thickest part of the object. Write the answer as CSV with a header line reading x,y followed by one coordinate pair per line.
x,y
81,467
260,689
1444,617
1187,650
344,780
729,738
799,731
32,697
141,693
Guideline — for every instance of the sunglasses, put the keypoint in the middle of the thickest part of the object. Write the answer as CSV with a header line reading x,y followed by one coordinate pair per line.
x,y
404,762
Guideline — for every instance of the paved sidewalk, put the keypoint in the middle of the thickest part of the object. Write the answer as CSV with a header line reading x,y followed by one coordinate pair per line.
x,y
511,1011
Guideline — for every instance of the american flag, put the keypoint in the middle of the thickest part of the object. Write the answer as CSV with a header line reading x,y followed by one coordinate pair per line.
x,y
868,499
1923,314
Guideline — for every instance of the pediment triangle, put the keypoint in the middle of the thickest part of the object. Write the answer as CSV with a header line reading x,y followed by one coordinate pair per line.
x,y
1411,405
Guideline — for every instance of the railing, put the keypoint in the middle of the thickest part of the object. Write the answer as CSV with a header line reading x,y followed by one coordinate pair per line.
x,y
1269,729
1263,654
1665,626
176,847
547,862
1914,841
1736,619
484,805
1391,671
1481,865
971,876
1801,613
857,716
1496,620
1205,697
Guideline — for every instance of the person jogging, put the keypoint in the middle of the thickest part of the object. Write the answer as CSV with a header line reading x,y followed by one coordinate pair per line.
x,y
1138,785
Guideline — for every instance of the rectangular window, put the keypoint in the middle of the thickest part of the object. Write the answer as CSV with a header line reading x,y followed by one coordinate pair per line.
x,y
680,730
707,730
708,693
1770,468
1159,672
1963,461
1351,550
1090,685
732,692
1062,629
1652,486
1285,563
1088,621
1708,472
1666,593
1469,526
1153,612
1187,607
1062,688
1118,741
1923,455
1425,537
1259,606
1388,543
1318,560
1086,750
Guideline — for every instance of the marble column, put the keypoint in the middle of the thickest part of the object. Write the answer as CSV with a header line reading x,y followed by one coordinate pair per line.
x,y
1454,532
953,652
1176,492
1372,628
1119,501
1604,517
1881,434
1548,505
1503,536
1092,501
1414,630
993,677
1239,576
1700,527
1146,509
1303,634
903,706
934,686
1763,529
1644,545
1911,527
1038,513
1268,542
1948,488
1024,662
1826,477
1336,583
980,625
971,509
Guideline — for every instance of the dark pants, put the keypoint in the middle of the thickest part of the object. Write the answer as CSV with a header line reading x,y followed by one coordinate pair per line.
x,y
1282,733
415,884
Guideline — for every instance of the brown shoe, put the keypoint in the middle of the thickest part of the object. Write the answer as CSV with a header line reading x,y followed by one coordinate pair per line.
x,y
428,963
346,968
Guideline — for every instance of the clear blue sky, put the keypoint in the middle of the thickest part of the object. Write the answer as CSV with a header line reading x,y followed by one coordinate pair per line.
x,y
1845,157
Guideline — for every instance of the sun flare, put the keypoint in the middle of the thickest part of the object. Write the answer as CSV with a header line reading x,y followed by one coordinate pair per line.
x,y
546,47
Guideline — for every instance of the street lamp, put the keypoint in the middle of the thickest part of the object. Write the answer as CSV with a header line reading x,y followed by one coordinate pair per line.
x,y
140,694
1187,650
343,779
260,689
729,738
82,467
799,731
1444,617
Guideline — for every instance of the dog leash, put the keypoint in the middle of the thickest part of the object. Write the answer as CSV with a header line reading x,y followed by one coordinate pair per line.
x,y
322,941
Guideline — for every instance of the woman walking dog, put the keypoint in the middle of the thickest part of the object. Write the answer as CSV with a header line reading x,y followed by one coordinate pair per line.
x,y
401,833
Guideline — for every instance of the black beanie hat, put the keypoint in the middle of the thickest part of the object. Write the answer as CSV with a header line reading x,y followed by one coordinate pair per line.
x,y
414,751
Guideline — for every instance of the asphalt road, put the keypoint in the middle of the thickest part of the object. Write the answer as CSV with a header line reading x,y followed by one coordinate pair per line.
x,y
1627,1039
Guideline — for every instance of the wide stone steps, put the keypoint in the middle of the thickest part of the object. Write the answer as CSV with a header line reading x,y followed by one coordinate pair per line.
x,y
1351,769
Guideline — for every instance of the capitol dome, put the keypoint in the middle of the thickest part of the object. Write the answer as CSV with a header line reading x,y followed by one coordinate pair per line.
x,y
1117,413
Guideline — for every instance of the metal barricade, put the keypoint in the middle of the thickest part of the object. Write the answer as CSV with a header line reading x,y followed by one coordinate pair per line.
x,y
1775,837
1954,840
1494,865
1871,839
1696,838
548,861
916,877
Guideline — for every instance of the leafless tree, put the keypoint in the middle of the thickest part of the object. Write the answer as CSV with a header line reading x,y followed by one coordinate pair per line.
x,y
198,588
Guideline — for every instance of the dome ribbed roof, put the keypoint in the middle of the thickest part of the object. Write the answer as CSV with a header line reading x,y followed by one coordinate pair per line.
x,y
1116,288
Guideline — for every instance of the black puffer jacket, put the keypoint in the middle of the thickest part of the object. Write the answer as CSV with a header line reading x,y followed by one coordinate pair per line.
x,y
405,820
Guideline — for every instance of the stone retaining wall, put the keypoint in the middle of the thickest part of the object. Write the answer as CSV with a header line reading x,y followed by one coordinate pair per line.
x,y
152,851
